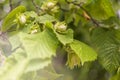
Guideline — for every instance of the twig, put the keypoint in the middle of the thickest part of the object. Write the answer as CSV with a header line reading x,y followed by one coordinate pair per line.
x,y
80,5
15,4
36,6
91,18
18,3
10,4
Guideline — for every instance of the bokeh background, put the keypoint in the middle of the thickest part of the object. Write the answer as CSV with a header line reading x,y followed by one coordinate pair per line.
x,y
89,71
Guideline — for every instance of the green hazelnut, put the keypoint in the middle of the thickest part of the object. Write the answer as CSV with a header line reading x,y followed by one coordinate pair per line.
x,y
22,19
60,27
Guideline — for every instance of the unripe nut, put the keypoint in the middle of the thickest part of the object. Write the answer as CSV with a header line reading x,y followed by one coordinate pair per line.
x,y
22,19
60,27
50,4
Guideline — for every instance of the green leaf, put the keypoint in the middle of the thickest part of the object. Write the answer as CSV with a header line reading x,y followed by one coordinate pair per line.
x,y
36,64
66,37
78,1
31,14
49,25
8,22
18,65
107,45
28,76
50,75
84,52
14,39
43,74
5,45
45,18
115,77
14,66
100,9
68,17
41,45
77,19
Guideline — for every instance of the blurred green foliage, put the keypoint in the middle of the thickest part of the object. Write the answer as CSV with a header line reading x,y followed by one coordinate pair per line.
x,y
104,14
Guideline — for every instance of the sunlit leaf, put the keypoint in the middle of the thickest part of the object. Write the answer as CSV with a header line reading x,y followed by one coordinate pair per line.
x,y
28,76
84,52
36,64
14,66
40,45
14,40
66,37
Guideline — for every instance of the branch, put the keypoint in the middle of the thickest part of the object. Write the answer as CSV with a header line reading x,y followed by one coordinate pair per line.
x,y
18,3
10,4
13,5
36,6
80,5
91,18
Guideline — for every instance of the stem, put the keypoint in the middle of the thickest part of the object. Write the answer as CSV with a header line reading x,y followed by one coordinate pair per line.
x,y
18,3
10,4
36,6
91,18
80,5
